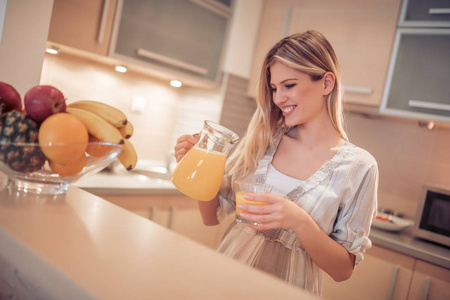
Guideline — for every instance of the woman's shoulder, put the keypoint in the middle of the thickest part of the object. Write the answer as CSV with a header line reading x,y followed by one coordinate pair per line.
x,y
360,156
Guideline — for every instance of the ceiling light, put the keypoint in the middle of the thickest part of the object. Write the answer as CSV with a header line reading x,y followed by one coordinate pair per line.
x,y
52,50
121,69
176,83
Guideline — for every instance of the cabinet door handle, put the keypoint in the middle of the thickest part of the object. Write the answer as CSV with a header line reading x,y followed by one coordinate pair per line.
x,y
171,217
171,61
429,105
391,288
287,22
439,11
151,214
357,89
102,28
425,289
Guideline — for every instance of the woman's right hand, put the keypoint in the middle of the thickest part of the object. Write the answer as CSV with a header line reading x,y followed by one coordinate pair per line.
x,y
184,144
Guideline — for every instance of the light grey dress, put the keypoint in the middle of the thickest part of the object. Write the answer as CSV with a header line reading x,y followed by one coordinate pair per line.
x,y
341,197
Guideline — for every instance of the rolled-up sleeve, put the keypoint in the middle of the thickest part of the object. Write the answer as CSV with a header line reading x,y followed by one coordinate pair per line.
x,y
356,212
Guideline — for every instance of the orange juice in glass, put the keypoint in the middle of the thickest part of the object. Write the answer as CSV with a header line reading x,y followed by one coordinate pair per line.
x,y
242,188
199,174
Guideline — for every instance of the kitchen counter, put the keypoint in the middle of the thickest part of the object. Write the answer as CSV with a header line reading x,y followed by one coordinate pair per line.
x,y
79,246
104,183
403,242
127,184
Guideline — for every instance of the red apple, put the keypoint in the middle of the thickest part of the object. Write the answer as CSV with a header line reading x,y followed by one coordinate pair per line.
x,y
43,101
9,98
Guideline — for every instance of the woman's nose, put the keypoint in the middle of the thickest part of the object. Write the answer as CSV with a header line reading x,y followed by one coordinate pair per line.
x,y
279,98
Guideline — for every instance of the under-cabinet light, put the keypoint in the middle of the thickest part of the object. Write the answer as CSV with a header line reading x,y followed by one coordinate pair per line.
x,y
121,69
176,83
52,50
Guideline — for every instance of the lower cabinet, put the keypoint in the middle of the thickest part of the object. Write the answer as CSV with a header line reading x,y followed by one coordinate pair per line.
x,y
177,213
429,282
386,274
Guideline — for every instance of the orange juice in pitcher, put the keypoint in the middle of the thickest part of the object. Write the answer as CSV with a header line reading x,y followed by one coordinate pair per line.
x,y
199,174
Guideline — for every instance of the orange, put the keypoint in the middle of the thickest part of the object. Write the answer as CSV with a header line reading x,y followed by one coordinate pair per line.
x,y
97,150
68,169
63,138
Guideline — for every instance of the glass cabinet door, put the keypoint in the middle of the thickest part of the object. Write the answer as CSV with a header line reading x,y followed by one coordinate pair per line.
x,y
179,35
418,83
425,13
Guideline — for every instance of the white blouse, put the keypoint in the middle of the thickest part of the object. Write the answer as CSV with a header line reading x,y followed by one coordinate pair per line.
x,y
341,197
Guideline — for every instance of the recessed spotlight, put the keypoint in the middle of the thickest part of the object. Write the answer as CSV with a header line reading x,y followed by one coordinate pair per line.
x,y
52,50
176,83
121,69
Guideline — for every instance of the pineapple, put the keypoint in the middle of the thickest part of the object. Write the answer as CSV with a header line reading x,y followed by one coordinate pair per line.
x,y
17,127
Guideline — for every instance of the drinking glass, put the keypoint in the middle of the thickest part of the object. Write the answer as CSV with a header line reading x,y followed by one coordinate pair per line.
x,y
241,188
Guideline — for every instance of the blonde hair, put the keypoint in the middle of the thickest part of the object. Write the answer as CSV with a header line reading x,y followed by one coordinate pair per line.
x,y
308,52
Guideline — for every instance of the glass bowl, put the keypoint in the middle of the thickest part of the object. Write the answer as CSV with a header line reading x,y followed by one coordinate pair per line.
x,y
30,170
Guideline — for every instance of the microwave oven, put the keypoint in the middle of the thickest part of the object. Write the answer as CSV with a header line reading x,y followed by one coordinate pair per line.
x,y
433,215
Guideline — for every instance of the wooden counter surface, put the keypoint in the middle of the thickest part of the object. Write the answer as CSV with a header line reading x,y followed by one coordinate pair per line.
x,y
80,246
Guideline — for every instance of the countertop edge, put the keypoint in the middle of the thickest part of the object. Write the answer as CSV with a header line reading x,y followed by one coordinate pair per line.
x,y
411,246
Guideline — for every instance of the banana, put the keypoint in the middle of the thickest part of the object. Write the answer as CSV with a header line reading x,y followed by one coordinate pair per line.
x,y
127,130
111,114
128,157
97,126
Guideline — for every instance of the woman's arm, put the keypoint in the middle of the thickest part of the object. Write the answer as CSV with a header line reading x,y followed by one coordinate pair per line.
x,y
329,255
208,210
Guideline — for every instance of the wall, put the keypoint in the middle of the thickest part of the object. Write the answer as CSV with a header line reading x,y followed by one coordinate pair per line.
x,y
23,39
408,157
169,111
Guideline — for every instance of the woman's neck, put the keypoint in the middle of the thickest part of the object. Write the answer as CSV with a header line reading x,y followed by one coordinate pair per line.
x,y
317,133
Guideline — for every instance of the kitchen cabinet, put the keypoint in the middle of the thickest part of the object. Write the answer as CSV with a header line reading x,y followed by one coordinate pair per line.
x,y
430,13
184,39
383,274
361,32
82,24
386,274
417,85
275,24
429,282
177,213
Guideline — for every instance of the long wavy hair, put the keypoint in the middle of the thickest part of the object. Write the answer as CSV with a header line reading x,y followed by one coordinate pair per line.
x,y
308,52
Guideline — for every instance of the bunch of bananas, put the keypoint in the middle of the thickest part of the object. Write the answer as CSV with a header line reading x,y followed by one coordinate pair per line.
x,y
107,124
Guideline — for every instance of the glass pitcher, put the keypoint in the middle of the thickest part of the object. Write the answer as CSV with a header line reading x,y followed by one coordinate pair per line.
x,y
199,174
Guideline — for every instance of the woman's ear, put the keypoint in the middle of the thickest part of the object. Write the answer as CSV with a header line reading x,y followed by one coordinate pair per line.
x,y
328,83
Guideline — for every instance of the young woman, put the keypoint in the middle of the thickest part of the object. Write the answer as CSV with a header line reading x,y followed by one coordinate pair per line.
x,y
324,193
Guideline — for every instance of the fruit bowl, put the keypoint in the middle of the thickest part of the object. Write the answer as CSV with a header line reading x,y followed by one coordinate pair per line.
x,y
30,170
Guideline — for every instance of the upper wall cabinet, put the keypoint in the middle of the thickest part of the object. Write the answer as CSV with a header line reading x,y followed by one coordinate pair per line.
x,y
82,24
361,32
179,39
275,24
430,13
418,81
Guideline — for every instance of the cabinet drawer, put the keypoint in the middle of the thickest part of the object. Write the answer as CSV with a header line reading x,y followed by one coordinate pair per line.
x,y
417,84
430,13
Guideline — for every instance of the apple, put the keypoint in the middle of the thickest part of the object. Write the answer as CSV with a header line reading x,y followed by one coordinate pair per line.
x,y
9,98
43,101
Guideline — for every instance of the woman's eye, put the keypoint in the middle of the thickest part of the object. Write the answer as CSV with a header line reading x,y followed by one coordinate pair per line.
x,y
288,86
273,89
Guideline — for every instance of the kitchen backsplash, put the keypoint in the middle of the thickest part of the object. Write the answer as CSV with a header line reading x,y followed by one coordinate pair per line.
x,y
167,111
408,155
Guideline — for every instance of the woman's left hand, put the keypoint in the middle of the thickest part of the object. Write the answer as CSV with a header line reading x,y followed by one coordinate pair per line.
x,y
279,213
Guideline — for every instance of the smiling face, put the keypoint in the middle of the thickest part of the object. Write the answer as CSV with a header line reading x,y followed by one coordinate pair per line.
x,y
300,99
